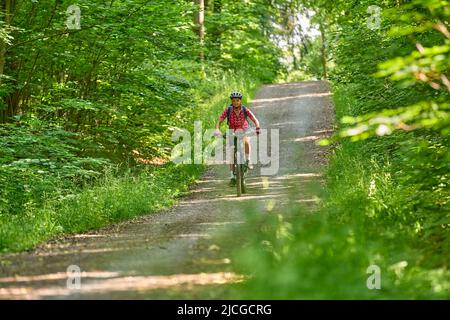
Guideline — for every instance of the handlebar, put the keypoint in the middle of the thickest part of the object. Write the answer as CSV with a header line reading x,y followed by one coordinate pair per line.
x,y
241,134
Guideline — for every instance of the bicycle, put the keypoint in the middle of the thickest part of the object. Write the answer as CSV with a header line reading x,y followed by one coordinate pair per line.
x,y
240,167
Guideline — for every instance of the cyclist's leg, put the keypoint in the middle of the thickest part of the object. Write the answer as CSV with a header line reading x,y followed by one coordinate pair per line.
x,y
230,146
247,150
247,147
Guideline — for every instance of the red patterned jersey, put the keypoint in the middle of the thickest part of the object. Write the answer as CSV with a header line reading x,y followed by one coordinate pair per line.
x,y
237,121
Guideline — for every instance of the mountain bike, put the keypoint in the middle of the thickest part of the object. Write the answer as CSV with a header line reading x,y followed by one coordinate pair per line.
x,y
240,167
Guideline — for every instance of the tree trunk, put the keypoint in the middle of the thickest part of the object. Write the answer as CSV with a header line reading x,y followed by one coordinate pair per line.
x,y
294,57
7,8
199,21
216,32
323,52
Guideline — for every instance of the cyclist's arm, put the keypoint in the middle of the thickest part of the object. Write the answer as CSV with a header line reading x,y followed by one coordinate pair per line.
x,y
253,118
221,118
219,123
256,122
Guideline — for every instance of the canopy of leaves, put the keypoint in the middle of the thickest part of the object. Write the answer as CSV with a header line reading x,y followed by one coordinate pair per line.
x,y
77,99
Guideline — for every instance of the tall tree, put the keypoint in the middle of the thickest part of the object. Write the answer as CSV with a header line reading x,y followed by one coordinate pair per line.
x,y
199,22
323,50
6,13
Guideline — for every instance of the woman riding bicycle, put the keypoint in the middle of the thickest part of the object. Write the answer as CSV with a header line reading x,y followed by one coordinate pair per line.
x,y
237,115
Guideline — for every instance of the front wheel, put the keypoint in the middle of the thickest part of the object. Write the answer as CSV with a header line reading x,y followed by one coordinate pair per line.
x,y
238,180
243,189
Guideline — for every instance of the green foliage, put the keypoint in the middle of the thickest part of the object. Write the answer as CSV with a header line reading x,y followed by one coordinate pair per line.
x,y
319,257
418,61
425,65
377,208
76,103
114,198
121,78
387,199
59,192
239,38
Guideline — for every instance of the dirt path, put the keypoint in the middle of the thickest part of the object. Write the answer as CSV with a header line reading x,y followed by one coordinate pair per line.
x,y
185,252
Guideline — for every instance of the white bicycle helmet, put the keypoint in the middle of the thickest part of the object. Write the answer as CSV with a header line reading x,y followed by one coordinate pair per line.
x,y
236,94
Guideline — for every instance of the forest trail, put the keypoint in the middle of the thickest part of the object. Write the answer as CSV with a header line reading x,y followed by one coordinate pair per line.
x,y
186,251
